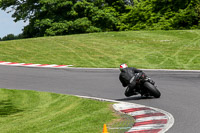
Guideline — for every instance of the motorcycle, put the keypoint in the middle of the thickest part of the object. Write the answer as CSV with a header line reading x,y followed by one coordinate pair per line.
x,y
146,86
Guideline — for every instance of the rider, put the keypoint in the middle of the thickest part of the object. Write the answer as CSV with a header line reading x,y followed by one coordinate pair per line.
x,y
127,78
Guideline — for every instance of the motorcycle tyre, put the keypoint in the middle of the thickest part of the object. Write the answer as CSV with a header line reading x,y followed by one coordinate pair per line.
x,y
152,90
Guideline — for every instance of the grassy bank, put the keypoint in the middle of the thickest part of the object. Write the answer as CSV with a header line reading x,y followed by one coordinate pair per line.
x,y
142,49
31,112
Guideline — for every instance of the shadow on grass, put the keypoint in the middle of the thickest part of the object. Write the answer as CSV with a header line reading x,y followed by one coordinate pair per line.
x,y
7,108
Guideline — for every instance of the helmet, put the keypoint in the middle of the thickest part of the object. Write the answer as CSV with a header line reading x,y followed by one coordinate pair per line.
x,y
122,66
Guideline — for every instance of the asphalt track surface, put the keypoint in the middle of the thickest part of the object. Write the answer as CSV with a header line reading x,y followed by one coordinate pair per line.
x,y
180,90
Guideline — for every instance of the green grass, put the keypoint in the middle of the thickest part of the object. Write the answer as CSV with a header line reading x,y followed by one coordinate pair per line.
x,y
40,112
177,49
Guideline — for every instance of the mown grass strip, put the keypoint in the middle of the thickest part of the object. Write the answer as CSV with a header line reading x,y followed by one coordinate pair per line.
x,y
176,49
32,111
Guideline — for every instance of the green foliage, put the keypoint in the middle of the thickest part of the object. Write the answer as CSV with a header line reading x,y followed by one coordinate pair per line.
x,y
185,19
11,37
61,17
162,14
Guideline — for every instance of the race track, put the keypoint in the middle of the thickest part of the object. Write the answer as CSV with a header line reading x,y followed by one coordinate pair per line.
x,y
180,90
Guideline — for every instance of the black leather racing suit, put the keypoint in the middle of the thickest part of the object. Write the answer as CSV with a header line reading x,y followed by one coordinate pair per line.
x,y
126,76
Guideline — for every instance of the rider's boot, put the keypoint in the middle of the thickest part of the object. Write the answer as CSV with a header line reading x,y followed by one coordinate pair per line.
x,y
129,92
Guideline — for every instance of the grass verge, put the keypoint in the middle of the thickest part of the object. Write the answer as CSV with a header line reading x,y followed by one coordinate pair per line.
x,y
176,49
35,112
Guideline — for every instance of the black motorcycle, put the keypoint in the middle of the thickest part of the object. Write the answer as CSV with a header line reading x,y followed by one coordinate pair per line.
x,y
146,86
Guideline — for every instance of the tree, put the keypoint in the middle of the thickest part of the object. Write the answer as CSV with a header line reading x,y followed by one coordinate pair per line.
x,y
9,37
61,17
162,14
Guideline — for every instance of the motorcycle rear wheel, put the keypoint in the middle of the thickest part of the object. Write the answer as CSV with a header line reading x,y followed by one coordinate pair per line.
x,y
152,90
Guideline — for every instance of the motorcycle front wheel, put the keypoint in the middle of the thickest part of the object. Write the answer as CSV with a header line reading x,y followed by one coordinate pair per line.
x,y
152,90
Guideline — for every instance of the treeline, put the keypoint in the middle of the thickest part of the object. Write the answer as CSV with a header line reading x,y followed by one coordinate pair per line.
x,y
62,17
11,37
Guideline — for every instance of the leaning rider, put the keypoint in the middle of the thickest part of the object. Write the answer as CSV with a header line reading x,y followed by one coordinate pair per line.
x,y
128,79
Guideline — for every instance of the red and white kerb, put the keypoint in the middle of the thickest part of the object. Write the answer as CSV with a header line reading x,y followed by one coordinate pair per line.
x,y
33,65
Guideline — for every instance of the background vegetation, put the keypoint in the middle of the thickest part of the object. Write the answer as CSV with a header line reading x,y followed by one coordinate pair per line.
x,y
62,17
